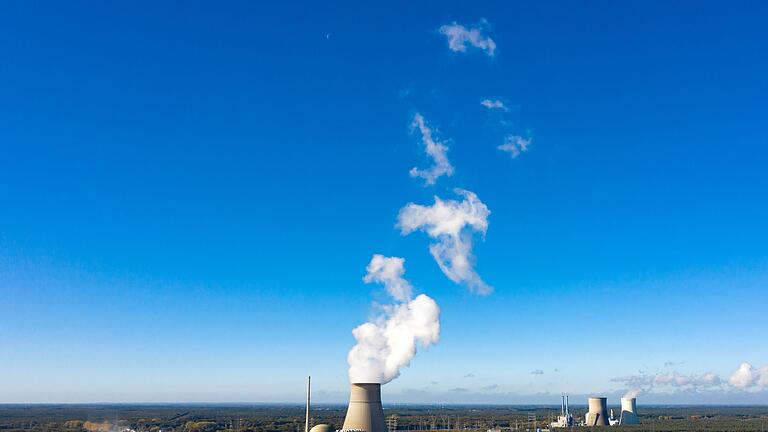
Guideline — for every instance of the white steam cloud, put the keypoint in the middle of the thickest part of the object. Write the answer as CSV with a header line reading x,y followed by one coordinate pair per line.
x,y
389,271
669,382
494,104
514,145
436,149
390,340
749,377
746,378
450,223
460,37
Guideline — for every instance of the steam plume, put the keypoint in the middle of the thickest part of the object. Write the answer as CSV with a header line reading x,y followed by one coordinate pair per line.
x,y
514,145
436,149
389,341
389,271
450,223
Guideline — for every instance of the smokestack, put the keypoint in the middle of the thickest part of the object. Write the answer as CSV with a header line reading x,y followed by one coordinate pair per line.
x,y
629,412
365,412
598,412
306,420
562,405
567,410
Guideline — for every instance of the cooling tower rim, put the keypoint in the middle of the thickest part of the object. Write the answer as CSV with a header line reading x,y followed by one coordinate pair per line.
x,y
365,383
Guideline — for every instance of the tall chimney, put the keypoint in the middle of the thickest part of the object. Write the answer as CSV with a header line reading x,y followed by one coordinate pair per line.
x,y
598,412
562,405
629,412
306,420
365,412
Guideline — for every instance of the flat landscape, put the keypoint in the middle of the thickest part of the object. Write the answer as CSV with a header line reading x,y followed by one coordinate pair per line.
x,y
253,418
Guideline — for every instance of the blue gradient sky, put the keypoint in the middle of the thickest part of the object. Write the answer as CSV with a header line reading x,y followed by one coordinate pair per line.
x,y
190,193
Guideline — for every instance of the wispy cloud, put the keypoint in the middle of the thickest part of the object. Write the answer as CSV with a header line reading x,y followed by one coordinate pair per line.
x,y
461,37
435,148
491,387
459,390
469,375
537,372
389,271
451,224
514,145
668,382
494,104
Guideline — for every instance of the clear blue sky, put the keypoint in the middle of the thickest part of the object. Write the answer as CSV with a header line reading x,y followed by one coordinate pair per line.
x,y
190,193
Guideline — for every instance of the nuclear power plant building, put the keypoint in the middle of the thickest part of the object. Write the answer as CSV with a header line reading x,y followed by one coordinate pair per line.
x,y
365,412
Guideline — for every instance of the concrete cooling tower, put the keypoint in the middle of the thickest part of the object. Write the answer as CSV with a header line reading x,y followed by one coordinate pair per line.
x,y
365,412
629,412
598,412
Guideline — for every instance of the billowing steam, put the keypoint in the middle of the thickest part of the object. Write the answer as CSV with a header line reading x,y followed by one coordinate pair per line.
x,y
450,223
389,341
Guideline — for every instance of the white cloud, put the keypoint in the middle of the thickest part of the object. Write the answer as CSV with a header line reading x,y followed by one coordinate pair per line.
x,y
537,372
389,342
514,145
460,37
494,104
389,271
450,223
435,148
668,382
748,376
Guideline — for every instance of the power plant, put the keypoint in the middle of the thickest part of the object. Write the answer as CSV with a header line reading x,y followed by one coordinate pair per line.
x,y
565,420
629,412
598,412
365,412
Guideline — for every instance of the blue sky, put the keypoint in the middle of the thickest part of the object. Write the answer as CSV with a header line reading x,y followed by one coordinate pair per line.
x,y
191,194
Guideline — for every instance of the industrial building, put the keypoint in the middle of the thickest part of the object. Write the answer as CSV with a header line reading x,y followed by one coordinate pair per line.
x,y
365,412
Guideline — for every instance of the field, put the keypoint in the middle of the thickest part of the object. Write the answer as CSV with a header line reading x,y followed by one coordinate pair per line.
x,y
258,418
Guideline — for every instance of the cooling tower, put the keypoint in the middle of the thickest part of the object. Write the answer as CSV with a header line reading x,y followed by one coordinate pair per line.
x,y
629,412
598,412
365,412
321,428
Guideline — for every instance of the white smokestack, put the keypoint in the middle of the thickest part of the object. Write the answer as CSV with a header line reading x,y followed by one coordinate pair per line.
x,y
390,340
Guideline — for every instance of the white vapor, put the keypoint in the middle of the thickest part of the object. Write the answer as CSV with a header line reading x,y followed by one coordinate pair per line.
x,y
389,341
748,376
436,149
668,382
514,145
389,271
494,104
459,37
450,223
